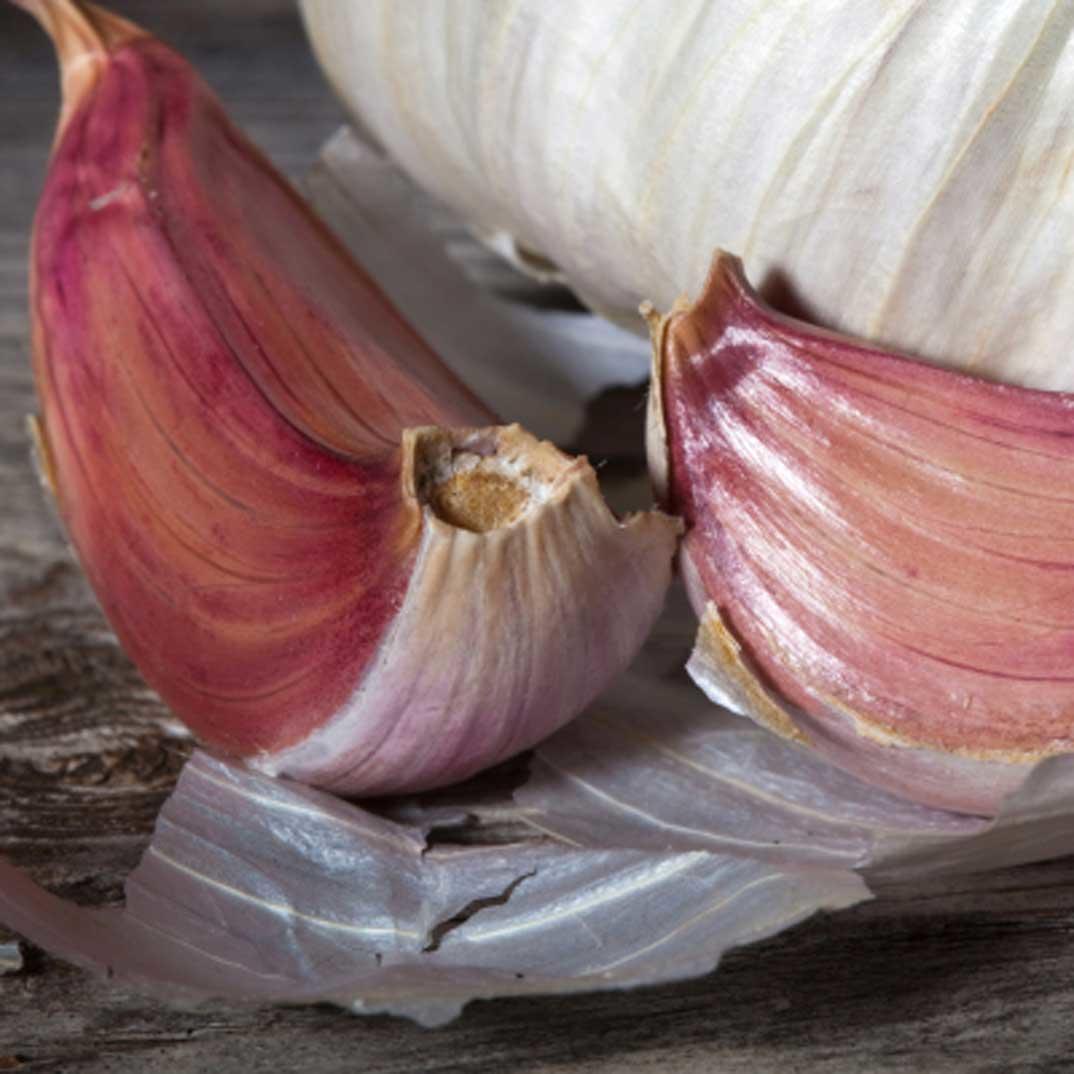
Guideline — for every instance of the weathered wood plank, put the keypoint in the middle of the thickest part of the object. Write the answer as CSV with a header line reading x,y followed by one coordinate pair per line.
x,y
974,975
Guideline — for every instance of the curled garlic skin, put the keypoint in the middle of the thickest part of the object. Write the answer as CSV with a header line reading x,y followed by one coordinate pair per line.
x,y
310,536
878,550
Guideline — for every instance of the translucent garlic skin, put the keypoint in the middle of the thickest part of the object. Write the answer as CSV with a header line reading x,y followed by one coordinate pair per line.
x,y
895,169
880,551
224,395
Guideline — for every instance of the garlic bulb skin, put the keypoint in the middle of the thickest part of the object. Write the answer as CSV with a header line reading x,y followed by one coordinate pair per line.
x,y
897,171
308,534
879,551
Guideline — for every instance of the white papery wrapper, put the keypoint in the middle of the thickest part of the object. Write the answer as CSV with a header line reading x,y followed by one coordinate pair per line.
x,y
259,889
896,170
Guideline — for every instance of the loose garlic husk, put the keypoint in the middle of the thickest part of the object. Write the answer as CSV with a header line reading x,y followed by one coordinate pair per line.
x,y
879,550
270,479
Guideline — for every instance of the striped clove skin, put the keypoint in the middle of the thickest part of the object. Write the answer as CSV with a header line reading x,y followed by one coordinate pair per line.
x,y
880,551
307,533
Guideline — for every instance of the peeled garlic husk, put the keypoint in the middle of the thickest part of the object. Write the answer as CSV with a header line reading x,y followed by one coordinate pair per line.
x,y
891,169
879,551
308,534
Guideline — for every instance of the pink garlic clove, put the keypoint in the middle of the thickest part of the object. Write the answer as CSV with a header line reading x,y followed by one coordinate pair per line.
x,y
881,552
271,480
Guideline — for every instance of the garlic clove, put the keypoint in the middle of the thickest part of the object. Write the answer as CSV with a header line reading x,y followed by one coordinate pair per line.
x,y
879,550
225,397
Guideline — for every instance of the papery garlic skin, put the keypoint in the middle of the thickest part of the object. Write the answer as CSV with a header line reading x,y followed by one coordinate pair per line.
x,y
224,399
892,169
879,551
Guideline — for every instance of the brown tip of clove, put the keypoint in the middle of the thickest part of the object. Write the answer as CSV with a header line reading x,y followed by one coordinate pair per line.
x,y
479,499
484,479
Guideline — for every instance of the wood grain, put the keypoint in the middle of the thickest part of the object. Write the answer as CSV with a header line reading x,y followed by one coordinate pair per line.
x,y
969,976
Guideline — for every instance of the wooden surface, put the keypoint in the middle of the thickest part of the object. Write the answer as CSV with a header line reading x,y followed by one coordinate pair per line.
x,y
975,975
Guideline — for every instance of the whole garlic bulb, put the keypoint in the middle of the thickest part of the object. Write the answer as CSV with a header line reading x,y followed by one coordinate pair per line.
x,y
890,168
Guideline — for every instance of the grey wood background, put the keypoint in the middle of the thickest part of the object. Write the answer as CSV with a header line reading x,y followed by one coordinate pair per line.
x,y
974,975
